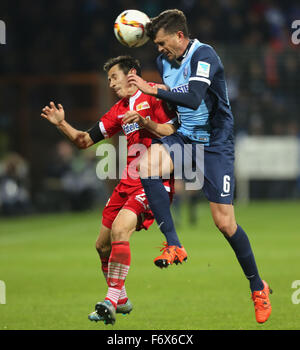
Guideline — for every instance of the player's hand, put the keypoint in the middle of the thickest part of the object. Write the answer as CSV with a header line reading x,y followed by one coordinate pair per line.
x,y
142,85
133,117
52,114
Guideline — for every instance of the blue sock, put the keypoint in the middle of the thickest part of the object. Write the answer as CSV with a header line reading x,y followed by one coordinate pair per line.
x,y
159,203
242,248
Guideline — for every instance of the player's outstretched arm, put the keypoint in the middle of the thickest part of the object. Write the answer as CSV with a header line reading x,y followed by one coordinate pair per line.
x,y
159,130
56,116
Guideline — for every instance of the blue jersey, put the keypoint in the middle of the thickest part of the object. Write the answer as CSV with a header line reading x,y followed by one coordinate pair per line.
x,y
211,122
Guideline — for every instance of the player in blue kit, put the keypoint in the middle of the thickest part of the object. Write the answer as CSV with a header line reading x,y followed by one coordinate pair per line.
x,y
194,75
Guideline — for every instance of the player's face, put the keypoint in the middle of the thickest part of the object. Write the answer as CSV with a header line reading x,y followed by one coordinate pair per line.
x,y
170,45
118,81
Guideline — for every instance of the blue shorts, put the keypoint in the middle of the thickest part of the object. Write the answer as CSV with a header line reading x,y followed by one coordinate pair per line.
x,y
213,164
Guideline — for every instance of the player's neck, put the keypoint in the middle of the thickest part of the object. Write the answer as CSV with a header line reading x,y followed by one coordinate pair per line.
x,y
185,47
132,90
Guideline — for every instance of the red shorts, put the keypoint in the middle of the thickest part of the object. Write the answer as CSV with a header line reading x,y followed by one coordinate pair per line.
x,y
131,198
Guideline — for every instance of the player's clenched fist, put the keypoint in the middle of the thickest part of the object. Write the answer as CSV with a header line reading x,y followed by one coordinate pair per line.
x,y
53,114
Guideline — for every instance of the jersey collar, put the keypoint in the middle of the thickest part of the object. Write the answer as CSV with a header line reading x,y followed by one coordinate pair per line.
x,y
187,51
133,98
179,59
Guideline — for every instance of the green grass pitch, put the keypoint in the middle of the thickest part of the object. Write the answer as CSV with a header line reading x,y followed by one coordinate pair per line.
x,y
53,279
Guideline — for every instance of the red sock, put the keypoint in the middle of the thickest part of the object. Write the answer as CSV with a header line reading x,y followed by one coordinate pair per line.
x,y
118,266
104,266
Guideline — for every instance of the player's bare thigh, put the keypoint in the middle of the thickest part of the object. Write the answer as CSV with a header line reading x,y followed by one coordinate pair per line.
x,y
124,225
156,162
224,218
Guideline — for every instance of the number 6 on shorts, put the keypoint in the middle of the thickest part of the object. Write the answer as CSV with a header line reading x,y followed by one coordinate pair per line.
x,y
226,183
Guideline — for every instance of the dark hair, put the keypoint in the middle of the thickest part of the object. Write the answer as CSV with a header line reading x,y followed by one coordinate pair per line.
x,y
171,21
125,63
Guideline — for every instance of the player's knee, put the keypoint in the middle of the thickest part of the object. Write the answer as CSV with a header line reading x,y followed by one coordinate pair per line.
x,y
226,226
119,232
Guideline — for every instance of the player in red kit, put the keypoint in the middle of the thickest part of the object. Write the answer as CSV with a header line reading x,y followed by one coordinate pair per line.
x,y
141,118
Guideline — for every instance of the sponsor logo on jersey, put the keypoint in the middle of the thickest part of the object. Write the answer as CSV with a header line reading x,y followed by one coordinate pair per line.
x,y
181,88
129,128
141,106
203,69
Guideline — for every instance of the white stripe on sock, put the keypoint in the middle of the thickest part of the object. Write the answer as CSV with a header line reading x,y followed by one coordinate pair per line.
x,y
123,294
113,294
117,276
117,270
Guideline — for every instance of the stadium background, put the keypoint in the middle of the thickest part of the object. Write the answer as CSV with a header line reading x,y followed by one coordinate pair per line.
x,y
55,50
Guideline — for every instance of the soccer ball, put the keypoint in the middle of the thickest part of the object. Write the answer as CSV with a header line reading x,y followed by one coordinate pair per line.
x,y
129,28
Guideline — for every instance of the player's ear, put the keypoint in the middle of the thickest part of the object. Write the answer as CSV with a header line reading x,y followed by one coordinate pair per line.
x,y
132,71
180,35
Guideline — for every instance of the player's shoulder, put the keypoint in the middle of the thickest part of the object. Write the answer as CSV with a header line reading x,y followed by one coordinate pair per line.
x,y
206,54
121,104
204,50
117,109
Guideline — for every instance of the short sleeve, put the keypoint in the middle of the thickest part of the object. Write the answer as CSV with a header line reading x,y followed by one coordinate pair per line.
x,y
110,123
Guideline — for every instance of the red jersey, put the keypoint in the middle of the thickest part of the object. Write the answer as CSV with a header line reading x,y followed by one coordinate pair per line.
x,y
138,138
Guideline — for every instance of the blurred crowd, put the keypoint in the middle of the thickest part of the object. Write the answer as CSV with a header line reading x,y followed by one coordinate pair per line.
x,y
69,183
14,185
66,35
253,39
